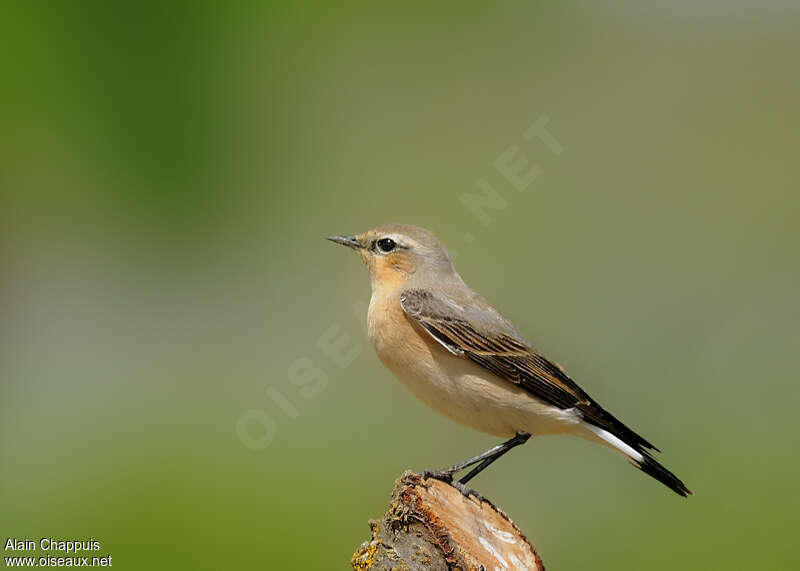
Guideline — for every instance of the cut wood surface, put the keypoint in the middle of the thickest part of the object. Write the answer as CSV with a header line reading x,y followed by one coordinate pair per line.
x,y
432,526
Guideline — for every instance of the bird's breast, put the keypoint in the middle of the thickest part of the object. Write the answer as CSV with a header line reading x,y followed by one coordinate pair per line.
x,y
397,342
409,352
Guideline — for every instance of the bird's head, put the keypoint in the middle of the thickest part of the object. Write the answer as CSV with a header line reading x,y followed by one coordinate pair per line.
x,y
396,253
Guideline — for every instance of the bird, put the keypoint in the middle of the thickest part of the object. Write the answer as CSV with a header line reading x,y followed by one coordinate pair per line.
x,y
458,354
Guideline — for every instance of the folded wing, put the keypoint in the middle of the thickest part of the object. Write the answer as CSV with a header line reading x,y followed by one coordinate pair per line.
x,y
483,336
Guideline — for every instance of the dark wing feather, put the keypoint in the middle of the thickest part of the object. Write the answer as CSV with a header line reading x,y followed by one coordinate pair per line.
x,y
465,332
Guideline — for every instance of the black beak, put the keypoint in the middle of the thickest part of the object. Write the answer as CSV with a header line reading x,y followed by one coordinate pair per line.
x,y
346,241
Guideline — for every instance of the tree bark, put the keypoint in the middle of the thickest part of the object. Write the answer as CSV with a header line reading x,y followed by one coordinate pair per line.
x,y
432,526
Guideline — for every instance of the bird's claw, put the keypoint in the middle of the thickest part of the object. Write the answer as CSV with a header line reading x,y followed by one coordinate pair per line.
x,y
465,491
441,475
446,476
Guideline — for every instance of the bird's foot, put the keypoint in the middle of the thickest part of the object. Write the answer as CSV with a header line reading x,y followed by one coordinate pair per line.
x,y
445,476
465,491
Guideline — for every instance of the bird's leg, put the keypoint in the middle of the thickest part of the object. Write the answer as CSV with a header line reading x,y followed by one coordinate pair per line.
x,y
520,438
483,460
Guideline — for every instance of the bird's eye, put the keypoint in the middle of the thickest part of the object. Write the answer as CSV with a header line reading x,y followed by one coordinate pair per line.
x,y
386,245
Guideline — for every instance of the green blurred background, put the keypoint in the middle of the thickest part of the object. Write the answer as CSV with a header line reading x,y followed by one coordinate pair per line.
x,y
168,173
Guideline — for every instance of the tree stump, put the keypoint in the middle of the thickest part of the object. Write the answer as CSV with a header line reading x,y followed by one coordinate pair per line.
x,y
430,525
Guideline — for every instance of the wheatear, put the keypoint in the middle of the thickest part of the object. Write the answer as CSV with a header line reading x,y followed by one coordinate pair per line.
x,y
460,356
